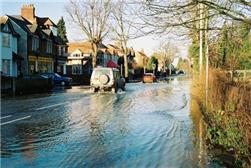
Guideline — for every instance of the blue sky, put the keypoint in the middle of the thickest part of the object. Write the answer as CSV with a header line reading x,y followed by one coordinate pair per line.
x,y
56,8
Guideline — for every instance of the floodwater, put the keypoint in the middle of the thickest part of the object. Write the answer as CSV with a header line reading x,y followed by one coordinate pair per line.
x,y
148,125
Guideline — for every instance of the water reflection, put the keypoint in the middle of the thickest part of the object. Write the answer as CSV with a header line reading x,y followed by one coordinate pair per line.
x,y
199,132
149,125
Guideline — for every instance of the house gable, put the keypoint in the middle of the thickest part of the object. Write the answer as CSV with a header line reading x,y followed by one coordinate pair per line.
x,y
77,51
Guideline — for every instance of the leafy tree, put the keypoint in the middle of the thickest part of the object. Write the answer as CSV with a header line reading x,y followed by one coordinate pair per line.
x,y
234,47
62,29
152,60
183,64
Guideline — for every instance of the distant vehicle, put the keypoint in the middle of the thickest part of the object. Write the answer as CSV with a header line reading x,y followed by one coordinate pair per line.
x,y
58,80
149,78
107,79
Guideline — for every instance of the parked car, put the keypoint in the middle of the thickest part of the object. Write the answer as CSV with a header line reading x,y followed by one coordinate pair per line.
x,y
149,78
58,80
107,79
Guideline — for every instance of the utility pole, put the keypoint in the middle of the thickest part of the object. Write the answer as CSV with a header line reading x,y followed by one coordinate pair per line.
x,y
201,38
206,54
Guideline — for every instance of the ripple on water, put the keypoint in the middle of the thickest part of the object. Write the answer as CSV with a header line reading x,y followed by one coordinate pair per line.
x,y
137,128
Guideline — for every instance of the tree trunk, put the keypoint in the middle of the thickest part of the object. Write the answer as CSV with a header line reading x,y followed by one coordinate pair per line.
x,y
94,54
126,64
170,69
124,45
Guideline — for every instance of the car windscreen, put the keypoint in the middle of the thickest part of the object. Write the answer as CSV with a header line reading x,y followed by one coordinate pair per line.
x,y
100,72
57,75
148,74
44,76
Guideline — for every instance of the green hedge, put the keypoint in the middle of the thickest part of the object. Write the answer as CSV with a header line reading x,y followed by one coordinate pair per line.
x,y
33,84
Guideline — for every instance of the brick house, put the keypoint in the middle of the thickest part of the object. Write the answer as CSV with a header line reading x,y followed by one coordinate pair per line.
x,y
141,59
10,60
80,57
39,45
79,64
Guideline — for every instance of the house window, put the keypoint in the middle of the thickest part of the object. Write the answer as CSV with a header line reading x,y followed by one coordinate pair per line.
x,y
6,29
59,50
63,50
76,69
6,40
35,43
77,55
6,67
59,69
49,47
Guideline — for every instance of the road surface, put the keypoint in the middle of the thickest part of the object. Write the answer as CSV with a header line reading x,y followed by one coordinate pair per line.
x,y
148,125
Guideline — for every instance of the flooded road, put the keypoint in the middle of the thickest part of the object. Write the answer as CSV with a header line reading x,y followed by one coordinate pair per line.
x,y
149,125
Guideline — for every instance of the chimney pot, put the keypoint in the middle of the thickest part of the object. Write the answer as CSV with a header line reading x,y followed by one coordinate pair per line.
x,y
28,12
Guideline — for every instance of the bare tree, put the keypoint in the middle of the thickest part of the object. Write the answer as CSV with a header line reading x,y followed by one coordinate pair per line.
x,y
195,16
165,14
91,16
166,54
123,28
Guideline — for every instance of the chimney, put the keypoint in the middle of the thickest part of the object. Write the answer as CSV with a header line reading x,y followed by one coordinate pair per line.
x,y
28,12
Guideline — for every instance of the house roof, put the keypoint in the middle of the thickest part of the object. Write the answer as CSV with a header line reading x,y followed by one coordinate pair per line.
x,y
142,54
85,47
113,49
42,21
20,21
47,32
5,20
112,46
59,40
32,28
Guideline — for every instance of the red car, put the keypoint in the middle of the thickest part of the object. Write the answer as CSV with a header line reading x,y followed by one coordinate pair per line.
x,y
149,78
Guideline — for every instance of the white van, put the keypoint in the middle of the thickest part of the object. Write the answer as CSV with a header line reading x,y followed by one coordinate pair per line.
x,y
107,79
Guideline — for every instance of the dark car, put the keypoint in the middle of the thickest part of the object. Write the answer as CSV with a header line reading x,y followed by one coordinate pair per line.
x,y
58,80
149,78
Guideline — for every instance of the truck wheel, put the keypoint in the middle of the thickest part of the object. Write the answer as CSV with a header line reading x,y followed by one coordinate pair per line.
x,y
114,90
94,90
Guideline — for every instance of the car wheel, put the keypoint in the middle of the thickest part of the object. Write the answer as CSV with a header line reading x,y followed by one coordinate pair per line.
x,y
114,90
94,90
62,83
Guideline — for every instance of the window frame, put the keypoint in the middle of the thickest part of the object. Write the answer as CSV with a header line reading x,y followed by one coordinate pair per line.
x,y
35,43
6,40
48,46
8,67
76,71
